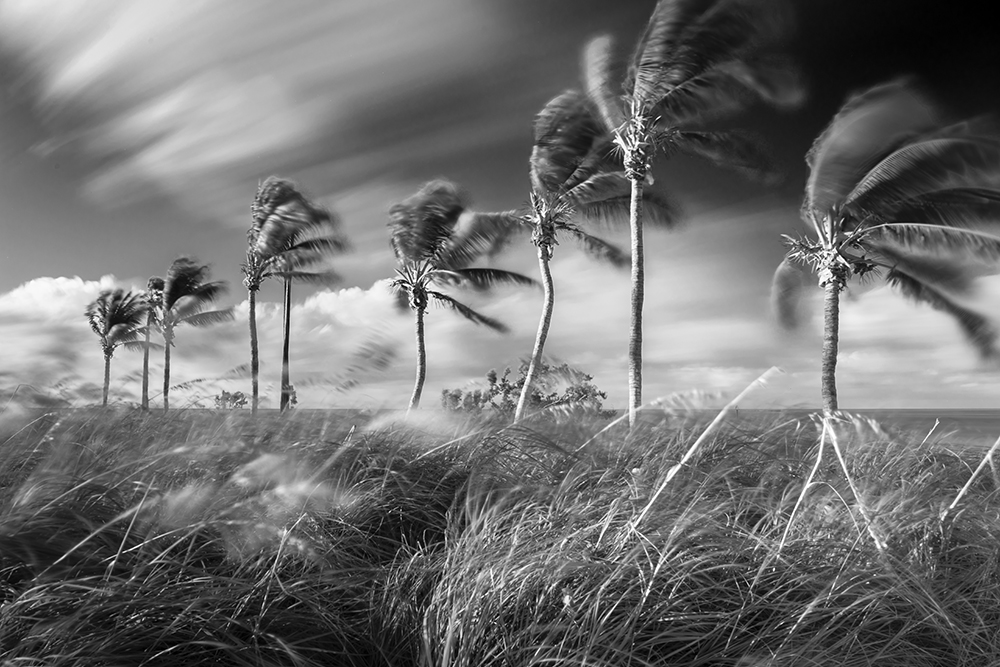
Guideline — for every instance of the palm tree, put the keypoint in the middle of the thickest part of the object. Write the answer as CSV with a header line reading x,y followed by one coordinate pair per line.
x,y
434,238
154,301
289,234
892,191
572,179
186,294
116,316
697,62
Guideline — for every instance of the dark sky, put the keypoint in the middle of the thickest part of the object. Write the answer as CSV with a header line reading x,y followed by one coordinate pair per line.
x,y
132,132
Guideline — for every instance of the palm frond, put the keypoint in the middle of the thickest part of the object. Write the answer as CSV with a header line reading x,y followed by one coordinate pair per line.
x,y
961,207
476,234
649,77
484,279
600,249
208,318
183,277
977,328
868,127
597,61
600,187
740,151
657,210
565,131
116,311
964,247
468,313
927,166
423,222
283,216
140,345
787,287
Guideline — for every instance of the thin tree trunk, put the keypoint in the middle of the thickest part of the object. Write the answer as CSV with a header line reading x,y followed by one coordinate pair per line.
x,y
418,385
286,392
548,303
254,360
107,378
635,321
166,372
831,343
145,364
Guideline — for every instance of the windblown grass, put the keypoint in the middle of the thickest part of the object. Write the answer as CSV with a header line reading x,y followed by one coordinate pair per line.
x,y
200,538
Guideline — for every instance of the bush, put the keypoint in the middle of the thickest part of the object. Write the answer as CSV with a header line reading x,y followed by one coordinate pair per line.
x,y
559,388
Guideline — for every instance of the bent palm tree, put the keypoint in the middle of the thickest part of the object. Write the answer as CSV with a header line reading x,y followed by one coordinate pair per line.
x,y
892,190
289,234
154,301
698,61
116,317
572,180
186,294
434,238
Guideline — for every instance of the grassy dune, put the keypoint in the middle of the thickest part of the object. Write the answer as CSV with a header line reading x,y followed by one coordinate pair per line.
x,y
201,538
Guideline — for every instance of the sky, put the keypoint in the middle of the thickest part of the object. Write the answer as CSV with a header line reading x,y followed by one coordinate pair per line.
x,y
136,131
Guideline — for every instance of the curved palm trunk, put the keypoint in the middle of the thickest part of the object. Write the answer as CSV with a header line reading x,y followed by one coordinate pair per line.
x,y
107,379
831,343
166,373
285,387
548,303
418,385
254,359
638,292
145,364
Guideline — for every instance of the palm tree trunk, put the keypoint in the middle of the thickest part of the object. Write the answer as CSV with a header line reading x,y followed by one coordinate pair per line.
x,y
166,372
831,343
635,321
254,360
145,364
107,379
418,385
548,303
285,387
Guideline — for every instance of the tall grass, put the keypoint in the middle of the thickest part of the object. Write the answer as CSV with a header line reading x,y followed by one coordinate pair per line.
x,y
131,538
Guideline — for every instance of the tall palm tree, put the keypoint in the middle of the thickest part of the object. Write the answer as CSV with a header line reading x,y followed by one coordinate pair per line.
x,y
894,192
289,234
434,239
116,316
154,301
573,180
697,62
186,295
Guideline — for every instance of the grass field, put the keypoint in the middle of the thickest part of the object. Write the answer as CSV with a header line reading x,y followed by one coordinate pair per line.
x,y
209,538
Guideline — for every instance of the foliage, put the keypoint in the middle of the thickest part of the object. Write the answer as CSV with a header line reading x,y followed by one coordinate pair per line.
x,y
557,389
230,401
197,537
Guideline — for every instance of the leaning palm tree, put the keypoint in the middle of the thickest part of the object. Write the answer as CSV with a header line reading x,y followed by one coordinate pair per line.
x,y
697,62
434,241
154,301
894,192
116,316
573,180
289,234
186,294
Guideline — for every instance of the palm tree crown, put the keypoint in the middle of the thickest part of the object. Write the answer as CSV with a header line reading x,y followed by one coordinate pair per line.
x,y
574,180
187,293
117,317
289,237
894,192
434,239
698,61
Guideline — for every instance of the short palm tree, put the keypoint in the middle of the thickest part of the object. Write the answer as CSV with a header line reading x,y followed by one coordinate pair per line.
x,y
434,239
154,301
289,234
892,191
186,294
697,62
573,180
116,316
